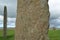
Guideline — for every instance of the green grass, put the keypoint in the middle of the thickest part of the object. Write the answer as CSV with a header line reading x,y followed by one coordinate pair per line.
x,y
53,35
10,35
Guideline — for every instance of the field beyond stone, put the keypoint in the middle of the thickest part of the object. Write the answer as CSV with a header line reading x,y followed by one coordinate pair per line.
x,y
53,35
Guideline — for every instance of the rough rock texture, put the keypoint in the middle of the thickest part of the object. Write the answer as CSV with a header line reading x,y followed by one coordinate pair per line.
x,y
32,21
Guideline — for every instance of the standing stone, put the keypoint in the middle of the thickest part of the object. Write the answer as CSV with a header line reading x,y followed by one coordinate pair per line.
x,y
32,21
5,23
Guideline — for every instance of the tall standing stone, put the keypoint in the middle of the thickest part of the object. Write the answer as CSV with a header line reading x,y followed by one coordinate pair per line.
x,y
5,23
32,21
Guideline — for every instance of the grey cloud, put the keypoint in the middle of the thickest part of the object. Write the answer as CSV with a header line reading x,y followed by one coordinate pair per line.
x,y
55,22
10,21
54,14
11,7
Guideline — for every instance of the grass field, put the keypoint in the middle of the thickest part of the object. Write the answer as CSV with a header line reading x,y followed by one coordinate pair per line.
x,y
53,35
10,34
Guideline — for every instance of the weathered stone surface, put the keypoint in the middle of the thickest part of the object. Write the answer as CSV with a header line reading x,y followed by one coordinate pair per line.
x,y
32,20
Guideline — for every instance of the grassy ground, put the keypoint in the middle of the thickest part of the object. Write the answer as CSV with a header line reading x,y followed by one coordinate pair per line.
x,y
53,35
10,34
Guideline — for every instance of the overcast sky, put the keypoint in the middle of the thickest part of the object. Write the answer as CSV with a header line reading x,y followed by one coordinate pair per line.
x,y
54,8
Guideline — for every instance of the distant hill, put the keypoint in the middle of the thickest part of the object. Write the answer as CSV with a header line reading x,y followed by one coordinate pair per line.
x,y
1,27
52,28
7,28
